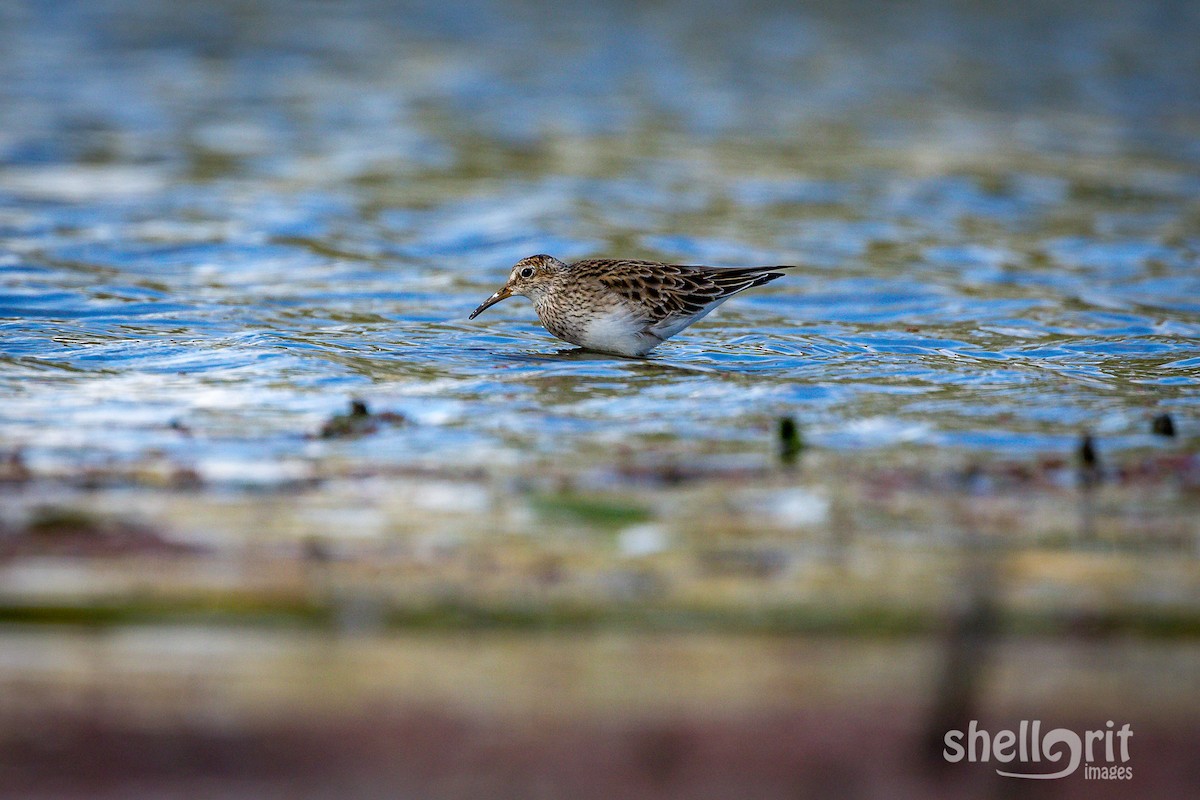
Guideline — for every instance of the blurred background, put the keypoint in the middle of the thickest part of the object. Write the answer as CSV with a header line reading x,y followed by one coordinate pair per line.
x,y
523,569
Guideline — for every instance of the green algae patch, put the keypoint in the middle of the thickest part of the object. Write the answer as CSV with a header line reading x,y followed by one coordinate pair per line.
x,y
460,615
238,610
595,510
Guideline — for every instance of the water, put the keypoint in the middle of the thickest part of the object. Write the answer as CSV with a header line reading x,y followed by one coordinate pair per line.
x,y
219,221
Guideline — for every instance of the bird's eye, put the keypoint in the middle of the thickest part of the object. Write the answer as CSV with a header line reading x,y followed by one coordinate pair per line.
x,y
527,272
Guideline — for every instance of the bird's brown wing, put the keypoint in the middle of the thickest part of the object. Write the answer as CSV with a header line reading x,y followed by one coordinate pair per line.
x,y
673,291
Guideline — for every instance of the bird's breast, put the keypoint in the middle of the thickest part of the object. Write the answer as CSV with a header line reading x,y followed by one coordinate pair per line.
x,y
609,326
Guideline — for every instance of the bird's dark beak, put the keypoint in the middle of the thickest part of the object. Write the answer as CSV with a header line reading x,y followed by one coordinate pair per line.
x,y
503,294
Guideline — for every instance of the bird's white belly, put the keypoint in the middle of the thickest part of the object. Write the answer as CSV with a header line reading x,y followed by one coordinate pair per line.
x,y
617,330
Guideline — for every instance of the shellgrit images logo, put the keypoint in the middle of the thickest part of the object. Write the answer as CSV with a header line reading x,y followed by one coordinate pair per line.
x,y
1103,753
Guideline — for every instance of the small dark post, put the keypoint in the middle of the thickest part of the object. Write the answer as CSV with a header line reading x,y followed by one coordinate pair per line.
x,y
1163,425
791,442
1089,461
1090,474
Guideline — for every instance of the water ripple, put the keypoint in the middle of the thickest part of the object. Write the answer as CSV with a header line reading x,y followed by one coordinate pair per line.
x,y
230,232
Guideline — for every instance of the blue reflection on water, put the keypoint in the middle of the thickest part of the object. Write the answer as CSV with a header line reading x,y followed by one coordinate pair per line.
x,y
233,218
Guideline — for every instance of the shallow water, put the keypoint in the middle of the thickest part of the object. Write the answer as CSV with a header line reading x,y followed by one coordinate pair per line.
x,y
220,221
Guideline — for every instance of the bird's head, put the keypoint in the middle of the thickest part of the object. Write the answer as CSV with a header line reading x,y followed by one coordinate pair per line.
x,y
530,277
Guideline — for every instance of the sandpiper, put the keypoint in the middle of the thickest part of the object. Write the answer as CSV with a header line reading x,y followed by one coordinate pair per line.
x,y
623,307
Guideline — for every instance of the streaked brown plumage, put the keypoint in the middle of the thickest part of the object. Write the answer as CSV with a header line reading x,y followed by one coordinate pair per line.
x,y
621,306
